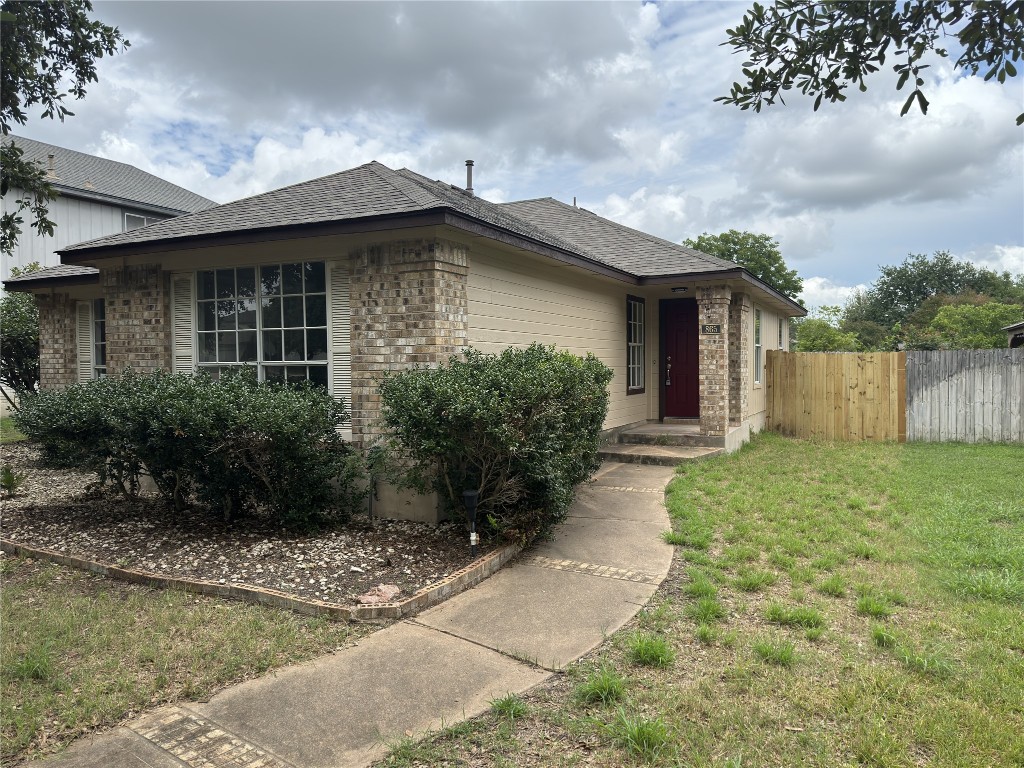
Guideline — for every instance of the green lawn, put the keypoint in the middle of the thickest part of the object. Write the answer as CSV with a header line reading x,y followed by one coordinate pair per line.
x,y
80,651
8,432
831,605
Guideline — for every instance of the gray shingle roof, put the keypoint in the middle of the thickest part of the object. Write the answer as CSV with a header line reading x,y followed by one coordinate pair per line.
x,y
91,176
616,245
61,271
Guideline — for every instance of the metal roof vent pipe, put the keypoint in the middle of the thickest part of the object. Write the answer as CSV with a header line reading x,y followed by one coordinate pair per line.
x,y
469,178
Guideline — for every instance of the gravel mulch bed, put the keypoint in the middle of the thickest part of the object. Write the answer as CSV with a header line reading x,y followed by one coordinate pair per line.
x,y
61,511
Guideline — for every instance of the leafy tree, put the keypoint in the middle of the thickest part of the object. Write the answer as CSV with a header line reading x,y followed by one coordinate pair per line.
x,y
45,48
19,341
758,254
969,326
820,332
822,48
901,290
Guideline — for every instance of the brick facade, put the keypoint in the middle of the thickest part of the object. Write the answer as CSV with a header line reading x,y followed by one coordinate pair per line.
x,y
138,318
58,360
739,357
713,308
409,308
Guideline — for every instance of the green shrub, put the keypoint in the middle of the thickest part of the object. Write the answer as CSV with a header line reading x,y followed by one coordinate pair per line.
x,y
522,427
233,444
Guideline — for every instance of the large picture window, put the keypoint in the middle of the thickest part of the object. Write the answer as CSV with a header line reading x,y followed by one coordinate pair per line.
x,y
635,351
273,317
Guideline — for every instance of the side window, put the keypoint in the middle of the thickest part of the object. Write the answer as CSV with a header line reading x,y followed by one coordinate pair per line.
x,y
99,339
635,345
758,351
782,325
136,220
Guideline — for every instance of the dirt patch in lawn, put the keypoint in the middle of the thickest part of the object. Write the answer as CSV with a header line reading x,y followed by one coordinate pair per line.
x,y
61,510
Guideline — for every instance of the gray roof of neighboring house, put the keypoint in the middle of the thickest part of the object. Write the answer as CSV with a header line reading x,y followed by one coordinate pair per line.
x,y
1015,326
614,244
81,175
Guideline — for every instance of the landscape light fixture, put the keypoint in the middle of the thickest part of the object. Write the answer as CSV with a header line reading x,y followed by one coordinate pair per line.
x,y
470,498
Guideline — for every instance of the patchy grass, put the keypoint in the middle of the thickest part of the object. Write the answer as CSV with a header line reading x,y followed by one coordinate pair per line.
x,y
933,534
81,652
510,706
10,433
649,650
603,685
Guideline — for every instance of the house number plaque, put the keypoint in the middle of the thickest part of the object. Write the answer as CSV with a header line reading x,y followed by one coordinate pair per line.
x,y
711,328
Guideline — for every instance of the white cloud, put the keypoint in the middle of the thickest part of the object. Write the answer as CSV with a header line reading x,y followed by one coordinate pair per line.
x,y
1000,258
821,291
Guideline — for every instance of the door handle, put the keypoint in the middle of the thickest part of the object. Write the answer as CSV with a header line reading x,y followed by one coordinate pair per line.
x,y
668,371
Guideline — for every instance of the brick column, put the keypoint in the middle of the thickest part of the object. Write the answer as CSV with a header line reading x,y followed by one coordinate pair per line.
x,y
739,357
713,308
138,319
409,308
58,359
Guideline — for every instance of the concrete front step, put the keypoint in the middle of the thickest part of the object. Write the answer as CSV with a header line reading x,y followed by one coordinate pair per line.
x,y
645,437
663,455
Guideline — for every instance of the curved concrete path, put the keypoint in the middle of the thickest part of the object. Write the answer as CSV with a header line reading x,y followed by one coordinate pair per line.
x,y
557,601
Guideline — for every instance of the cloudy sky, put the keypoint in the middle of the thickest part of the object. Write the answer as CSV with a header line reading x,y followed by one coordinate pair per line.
x,y
610,103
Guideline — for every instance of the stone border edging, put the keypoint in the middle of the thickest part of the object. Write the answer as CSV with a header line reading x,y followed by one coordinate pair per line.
x,y
461,580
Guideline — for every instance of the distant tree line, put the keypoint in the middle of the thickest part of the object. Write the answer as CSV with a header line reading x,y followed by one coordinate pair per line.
x,y
923,303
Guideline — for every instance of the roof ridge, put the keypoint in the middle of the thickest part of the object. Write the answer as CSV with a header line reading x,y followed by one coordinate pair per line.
x,y
403,187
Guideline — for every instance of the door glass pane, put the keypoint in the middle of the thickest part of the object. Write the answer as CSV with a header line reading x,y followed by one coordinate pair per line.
x,y
316,311
294,347
204,284
315,277
270,280
272,345
226,352
291,278
246,282
271,313
247,346
225,283
293,317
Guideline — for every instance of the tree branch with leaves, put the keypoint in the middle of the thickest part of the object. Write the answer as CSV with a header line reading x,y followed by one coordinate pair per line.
x,y
822,48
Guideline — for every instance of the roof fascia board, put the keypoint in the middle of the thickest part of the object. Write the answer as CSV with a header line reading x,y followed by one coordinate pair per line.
x,y
269,234
27,286
122,202
725,274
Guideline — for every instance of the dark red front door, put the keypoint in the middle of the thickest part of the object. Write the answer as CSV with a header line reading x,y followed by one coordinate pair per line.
x,y
679,365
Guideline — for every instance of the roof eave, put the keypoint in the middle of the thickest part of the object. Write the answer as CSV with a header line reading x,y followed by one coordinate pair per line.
x,y
122,202
57,281
739,273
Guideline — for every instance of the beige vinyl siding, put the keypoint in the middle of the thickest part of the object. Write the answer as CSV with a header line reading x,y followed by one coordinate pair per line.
x,y
769,340
516,304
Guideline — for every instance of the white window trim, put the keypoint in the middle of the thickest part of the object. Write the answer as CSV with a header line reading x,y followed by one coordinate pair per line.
x,y
636,351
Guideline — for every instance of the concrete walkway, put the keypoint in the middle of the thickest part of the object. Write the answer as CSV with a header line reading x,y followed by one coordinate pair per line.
x,y
559,600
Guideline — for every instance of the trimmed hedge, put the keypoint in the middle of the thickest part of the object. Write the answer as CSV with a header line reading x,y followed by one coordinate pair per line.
x,y
522,427
233,444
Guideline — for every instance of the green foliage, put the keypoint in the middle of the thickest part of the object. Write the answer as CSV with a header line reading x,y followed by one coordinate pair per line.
x,y
234,444
10,481
603,685
706,610
44,48
820,332
780,652
649,650
19,350
643,737
759,254
821,49
798,616
522,427
966,326
509,706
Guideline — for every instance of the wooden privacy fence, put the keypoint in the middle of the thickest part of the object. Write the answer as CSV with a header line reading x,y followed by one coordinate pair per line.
x,y
969,395
972,395
837,395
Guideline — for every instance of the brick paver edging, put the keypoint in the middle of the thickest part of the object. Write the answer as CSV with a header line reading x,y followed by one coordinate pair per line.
x,y
461,580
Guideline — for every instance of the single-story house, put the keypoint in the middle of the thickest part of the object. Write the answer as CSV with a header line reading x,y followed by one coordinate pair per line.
x,y
342,277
